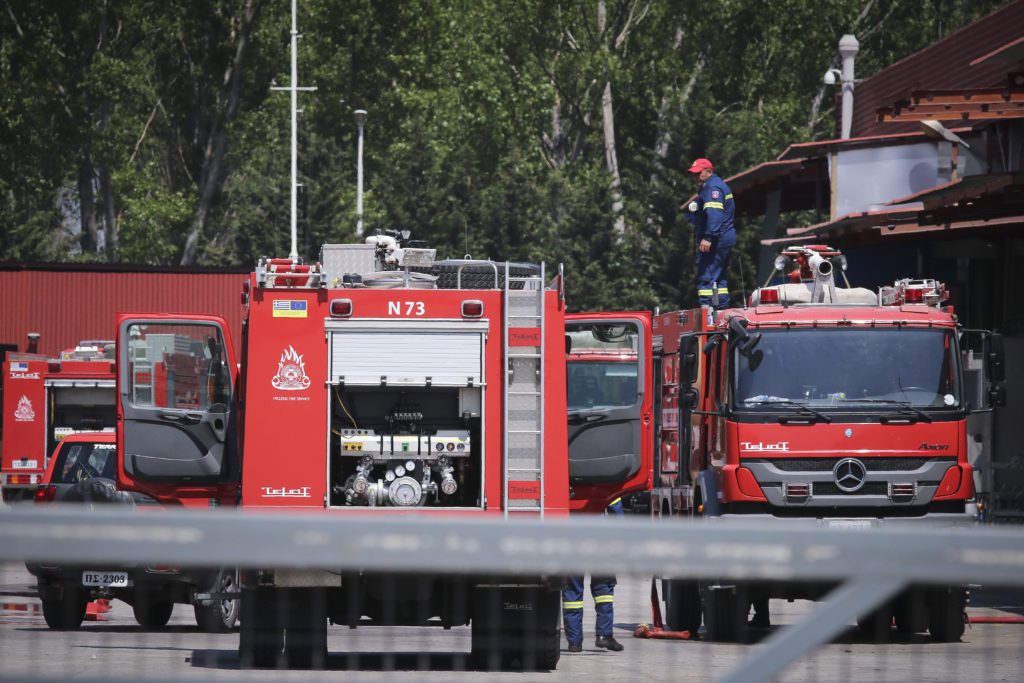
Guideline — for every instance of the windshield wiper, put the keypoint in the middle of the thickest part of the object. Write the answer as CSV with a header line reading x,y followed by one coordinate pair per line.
x,y
803,407
906,408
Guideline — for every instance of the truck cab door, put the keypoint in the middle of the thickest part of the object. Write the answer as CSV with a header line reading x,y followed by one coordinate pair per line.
x,y
175,388
609,374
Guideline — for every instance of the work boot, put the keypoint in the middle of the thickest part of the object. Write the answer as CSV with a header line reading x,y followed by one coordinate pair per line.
x,y
575,647
609,643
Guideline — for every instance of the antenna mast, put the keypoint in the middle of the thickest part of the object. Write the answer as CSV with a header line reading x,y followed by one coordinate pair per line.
x,y
294,89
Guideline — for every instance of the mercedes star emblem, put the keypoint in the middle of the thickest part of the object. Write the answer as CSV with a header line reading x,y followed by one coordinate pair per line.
x,y
850,474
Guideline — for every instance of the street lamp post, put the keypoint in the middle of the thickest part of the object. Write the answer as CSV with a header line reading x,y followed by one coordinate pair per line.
x,y
360,123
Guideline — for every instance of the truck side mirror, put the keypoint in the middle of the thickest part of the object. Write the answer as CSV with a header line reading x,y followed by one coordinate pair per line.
x,y
996,359
689,359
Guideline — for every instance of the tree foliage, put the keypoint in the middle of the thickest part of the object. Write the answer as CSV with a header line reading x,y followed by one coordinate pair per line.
x,y
148,132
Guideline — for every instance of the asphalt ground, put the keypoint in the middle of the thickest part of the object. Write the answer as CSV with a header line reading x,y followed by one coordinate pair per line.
x,y
115,648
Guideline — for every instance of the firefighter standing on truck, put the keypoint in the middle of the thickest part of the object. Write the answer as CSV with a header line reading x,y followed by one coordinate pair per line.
x,y
712,217
603,590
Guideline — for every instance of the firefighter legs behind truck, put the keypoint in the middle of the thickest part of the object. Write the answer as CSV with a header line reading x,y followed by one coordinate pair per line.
x,y
712,282
603,590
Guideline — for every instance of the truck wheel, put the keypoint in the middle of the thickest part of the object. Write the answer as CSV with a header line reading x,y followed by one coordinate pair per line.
x,y
946,619
66,613
526,640
911,612
260,638
495,650
877,624
220,615
152,611
725,614
260,648
682,605
306,647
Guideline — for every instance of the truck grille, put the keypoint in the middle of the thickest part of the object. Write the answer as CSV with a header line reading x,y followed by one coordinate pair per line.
x,y
828,464
871,488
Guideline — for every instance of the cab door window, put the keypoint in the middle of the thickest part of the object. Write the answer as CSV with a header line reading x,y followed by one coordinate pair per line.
x,y
177,366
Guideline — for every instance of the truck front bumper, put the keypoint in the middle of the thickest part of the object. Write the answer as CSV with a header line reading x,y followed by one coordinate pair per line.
x,y
935,520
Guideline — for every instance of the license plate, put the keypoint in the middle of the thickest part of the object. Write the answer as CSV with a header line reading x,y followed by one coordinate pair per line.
x,y
105,579
849,524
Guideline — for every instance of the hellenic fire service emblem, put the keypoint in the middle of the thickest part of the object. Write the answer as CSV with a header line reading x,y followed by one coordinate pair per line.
x,y
291,372
24,412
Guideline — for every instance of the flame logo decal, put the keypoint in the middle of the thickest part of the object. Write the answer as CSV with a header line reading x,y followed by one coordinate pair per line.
x,y
24,412
291,372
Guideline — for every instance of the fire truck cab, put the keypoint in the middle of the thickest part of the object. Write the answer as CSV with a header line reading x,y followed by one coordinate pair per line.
x,y
377,381
821,405
46,399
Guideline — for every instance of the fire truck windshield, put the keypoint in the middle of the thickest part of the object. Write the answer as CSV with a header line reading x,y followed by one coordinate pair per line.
x,y
851,369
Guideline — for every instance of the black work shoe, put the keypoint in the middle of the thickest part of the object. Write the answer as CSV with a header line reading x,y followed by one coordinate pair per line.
x,y
759,621
575,647
609,643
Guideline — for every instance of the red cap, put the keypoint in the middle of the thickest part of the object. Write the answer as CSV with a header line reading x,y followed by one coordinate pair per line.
x,y
699,165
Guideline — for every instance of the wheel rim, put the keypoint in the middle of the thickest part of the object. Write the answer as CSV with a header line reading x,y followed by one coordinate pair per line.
x,y
227,605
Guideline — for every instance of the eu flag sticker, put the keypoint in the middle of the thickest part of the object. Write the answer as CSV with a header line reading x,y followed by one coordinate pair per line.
x,y
287,308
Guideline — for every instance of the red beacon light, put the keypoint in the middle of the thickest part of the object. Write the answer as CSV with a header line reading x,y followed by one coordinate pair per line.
x,y
914,292
768,296
914,295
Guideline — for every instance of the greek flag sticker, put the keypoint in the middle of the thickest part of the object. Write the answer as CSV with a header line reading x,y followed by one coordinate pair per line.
x,y
287,308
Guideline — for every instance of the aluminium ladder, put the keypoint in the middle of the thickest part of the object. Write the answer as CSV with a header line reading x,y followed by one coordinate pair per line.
x,y
523,461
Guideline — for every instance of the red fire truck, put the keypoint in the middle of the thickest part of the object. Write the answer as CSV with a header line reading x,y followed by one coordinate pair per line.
x,y
378,380
822,405
46,399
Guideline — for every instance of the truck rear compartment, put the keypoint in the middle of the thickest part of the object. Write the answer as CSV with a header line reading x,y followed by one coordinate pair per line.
x,y
405,447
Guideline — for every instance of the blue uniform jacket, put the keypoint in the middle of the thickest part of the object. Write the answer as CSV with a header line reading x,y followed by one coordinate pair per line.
x,y
714,217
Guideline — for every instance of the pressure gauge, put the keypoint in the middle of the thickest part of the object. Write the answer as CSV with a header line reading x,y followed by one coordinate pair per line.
x,y
410,465
390,476
400,471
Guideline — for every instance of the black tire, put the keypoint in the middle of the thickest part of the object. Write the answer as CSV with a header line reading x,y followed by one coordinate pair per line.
x,y
725,614
152,611
306,648
911,612
66,613
877,624
478,275
682,605
220,615
946,619
261,637
529,646
260,648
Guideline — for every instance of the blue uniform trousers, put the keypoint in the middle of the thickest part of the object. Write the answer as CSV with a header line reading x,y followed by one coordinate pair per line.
x,y
603,590
712,277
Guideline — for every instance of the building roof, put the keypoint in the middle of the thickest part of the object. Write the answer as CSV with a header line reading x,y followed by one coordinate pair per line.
x,y
962,60
964,105
822,147
1009,52
962,189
